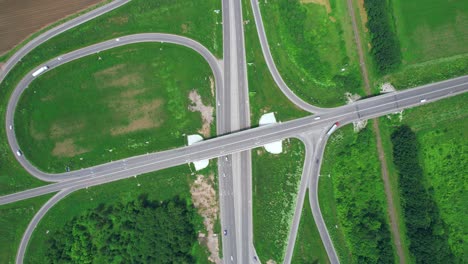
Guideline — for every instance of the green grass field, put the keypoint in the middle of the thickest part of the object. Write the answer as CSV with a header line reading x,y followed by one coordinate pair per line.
x,y
314,49
441,132
264,95
196,19
275,183
125,104
352,198
161,185
431,29
309,247
14,219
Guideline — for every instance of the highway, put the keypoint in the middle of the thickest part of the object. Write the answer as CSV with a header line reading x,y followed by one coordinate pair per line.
x,y
248,139
232,147
121,41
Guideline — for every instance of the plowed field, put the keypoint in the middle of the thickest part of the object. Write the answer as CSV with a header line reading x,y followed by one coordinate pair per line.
x,y
21,18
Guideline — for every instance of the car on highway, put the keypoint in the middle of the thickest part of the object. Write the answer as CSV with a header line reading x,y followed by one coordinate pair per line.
x,y
317,118
11,127
423,100
225,232
19,153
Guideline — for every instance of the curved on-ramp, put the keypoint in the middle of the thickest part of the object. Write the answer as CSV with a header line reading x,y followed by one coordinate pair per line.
x,y
109,44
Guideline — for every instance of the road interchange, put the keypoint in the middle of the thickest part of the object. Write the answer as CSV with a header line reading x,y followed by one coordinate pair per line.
x,y
218,147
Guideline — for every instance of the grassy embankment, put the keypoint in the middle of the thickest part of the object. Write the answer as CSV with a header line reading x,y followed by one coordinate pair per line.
x,y
264,95
309,247
314,49
134,17
125,104
441,137
432,42
352,198
14,218
160,186
275,184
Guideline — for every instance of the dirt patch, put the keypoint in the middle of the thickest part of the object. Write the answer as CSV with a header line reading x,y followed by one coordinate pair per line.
x,y
63,129
109,71
47,98
141,116
204,199
34,133
184,28
126,80
19,19
212,86
118,20
362,14
387,88
351,98
67,148
205,111
359,125
270,261
325,3
131,93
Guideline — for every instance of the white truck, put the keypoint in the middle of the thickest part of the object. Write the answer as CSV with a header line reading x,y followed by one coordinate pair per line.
x,y
333,128
40,71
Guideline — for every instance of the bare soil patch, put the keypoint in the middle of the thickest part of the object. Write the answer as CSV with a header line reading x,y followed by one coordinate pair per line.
x,y
212,86
141,115
204,199
34,133
205,111
126,80
63,129
362,14
184,28
67,148
118,20
325,3
109,71
19,19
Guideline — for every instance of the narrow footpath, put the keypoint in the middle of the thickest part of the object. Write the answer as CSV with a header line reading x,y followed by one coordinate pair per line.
x,y
395,229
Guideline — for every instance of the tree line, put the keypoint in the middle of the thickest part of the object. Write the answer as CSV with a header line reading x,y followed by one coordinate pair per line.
x,y
141,231
385,46
427,233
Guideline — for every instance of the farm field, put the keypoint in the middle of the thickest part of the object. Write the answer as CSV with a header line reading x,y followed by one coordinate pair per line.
x,y
169,17
22,18
431,30
275,183
352,198
264,95
160,186
121,103
440,130
309,247
314,49
15,218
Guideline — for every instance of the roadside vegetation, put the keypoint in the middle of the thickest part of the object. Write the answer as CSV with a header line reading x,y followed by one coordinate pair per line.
x,y
121,103
264,95
313,47
436,134
196,19
116,199
138,231
14,219
309,247
352,198
431,40
275,183
385,48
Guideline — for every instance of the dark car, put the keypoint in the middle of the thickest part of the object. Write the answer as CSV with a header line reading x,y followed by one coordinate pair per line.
x,y
225,232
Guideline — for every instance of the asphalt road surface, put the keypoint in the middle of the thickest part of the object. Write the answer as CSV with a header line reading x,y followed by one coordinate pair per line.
x,y
248,139
228,98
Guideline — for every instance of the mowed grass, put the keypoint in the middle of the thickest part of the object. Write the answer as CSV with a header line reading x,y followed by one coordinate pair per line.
x,y
431,29
161,185
14,218
441,130
352,198
275,184
309,247
264,95
119,103
314,50
137,16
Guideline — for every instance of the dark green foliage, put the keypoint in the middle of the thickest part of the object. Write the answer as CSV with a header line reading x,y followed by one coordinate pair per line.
x,y
385,45
426,231
141,231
